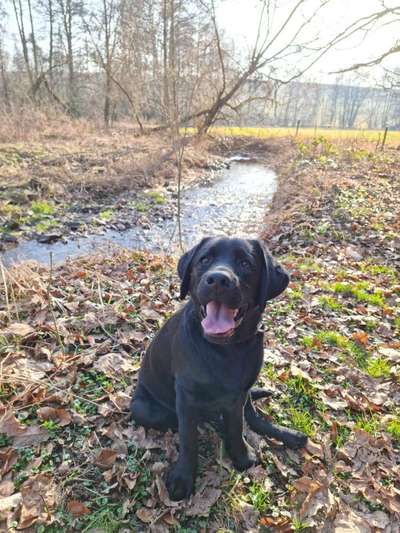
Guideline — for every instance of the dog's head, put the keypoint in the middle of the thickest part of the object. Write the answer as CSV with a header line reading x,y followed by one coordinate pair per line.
x,y
230,282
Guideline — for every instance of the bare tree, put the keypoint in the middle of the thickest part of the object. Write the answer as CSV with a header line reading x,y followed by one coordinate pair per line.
x,y
20,20
272,44
3,64
382,18
69,10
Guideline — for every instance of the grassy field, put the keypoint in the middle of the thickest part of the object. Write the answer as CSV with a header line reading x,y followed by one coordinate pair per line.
x,y
367,135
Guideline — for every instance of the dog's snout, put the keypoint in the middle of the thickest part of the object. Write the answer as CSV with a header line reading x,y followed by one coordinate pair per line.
x,y
219,279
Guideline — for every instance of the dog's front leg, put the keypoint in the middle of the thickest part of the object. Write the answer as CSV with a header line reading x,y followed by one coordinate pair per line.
x,y
181,476
241,453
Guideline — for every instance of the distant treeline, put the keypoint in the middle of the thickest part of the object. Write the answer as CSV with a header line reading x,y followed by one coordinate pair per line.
x,y
336,105
167,62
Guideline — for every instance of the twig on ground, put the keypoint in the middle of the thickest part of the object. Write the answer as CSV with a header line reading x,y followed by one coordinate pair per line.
x,y
49,298
3,276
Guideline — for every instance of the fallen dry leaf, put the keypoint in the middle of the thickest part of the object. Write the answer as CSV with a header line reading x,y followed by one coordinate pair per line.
x,y
9,502
114,363
146,515
279,524
201,503
22,435
61,416
7,487
348,521
151,314
106,458
8,458
77,508
21,329
163,493
38,500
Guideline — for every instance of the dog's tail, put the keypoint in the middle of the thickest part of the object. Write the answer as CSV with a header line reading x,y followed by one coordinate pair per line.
x,y
290,438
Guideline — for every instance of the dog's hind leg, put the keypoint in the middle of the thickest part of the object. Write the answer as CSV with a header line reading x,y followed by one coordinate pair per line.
x,y
289,437
147,412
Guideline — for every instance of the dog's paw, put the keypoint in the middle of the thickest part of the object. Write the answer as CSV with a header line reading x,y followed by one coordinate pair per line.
x,y
180,482
245,460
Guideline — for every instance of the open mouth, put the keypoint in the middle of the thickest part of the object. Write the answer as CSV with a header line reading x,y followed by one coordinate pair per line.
x,y
219,320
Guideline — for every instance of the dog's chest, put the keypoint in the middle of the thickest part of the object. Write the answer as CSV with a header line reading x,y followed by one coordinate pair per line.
x,y
219,383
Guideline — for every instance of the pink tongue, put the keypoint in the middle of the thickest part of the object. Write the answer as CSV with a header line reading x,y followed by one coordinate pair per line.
x,y
219,319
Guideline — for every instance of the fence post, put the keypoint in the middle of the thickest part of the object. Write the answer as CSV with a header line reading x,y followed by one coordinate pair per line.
x,y
378,142
384,139
297,128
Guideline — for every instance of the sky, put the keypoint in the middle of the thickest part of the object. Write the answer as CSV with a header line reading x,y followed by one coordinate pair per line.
x,y
239,20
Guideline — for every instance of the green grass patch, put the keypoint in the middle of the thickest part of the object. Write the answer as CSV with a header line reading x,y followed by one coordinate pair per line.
x,y
300,525
41,207
258,497
294,294
50,425
371,424
323,228
333,338
309,265
5,440
393,428
371,325
108,518
308,341
302,420
106,215
25,456
269,371
377,270
342,436
141,206
378,368
359,291
328,302
302,392
90,386
44,225
157,197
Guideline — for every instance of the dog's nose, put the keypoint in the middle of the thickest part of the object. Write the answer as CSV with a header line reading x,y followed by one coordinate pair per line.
x,y
219,279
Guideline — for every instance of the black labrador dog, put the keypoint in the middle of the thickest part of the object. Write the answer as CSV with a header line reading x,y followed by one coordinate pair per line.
x,y
205,359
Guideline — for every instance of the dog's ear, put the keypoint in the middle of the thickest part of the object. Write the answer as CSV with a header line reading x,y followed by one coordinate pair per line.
x,y
274,278
185,267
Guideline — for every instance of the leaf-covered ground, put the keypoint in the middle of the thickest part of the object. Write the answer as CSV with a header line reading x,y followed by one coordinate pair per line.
x,y
70,348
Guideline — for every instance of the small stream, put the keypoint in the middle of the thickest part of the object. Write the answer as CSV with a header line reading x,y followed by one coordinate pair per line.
x,y
231,202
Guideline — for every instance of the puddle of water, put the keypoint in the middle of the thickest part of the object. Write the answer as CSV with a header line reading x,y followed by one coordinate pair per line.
x,y
233,203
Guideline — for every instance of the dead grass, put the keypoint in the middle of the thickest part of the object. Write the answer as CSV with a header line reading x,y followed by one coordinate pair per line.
x,y
315,166
26,124
64,158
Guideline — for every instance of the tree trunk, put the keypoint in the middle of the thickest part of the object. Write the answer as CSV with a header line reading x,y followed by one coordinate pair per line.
x,y
4,78
51,39
166,103
19,16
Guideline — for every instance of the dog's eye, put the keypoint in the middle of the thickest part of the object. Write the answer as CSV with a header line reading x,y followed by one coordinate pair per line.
x,y
205,260
244,263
